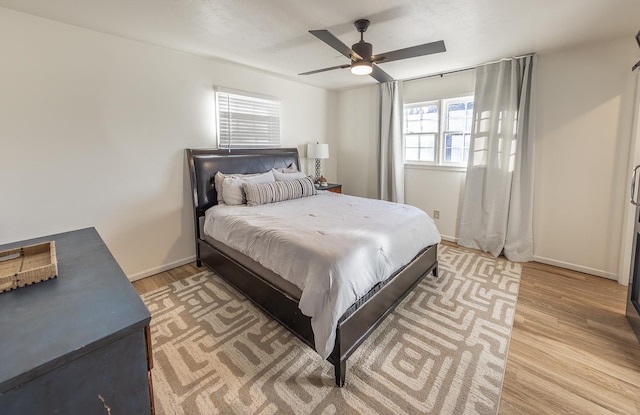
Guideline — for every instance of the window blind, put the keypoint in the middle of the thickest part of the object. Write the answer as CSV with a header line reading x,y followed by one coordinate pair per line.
x,y
247,120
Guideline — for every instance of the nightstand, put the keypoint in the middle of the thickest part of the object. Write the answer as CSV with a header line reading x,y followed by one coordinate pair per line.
x,y
331,187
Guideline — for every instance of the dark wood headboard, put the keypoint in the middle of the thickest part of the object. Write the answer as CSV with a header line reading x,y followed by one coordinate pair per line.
x,y
205,163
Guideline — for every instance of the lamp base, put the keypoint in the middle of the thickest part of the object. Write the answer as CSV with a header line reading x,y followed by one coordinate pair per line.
x,y
317,171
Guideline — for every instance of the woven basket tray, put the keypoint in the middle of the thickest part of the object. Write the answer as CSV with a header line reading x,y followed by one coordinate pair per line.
x,y
27,265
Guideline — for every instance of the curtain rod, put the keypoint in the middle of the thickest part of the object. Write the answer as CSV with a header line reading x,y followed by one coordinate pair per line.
x,y
468,68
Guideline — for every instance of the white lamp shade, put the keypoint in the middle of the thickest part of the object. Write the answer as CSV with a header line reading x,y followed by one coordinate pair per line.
x,y
318,151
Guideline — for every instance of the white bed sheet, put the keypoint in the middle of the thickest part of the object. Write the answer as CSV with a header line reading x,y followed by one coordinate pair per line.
x,y
333,247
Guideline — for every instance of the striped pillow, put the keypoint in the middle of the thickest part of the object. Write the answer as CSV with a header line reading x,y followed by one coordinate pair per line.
x,y
261,193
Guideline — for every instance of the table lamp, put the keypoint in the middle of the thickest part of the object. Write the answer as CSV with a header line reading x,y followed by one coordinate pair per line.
x,y
318,151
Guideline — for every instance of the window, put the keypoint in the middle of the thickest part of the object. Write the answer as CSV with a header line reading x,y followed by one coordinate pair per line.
x,y
247,120
438,132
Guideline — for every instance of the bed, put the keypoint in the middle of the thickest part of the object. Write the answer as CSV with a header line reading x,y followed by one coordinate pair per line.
x,y
273,293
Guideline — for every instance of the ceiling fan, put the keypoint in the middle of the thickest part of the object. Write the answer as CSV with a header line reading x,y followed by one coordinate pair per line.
x,y
363,61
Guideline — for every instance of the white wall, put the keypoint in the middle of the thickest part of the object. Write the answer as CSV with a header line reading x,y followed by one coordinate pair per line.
x,y
93,130
357,142
584,116
437,189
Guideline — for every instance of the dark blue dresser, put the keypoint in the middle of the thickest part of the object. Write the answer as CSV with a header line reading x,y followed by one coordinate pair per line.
x,y
78,343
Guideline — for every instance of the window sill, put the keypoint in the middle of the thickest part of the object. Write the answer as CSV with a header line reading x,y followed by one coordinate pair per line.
x,y
416,166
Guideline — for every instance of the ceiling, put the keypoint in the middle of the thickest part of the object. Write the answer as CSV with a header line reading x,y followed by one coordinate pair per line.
x,y
273,35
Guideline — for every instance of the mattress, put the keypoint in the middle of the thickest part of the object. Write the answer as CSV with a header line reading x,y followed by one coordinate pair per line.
x,y
333,247
269,276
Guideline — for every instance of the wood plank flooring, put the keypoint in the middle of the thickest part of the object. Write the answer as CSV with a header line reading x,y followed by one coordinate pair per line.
x,y
572,350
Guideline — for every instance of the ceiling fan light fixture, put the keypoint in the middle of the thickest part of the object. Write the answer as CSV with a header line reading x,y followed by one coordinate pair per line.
x,y
361,68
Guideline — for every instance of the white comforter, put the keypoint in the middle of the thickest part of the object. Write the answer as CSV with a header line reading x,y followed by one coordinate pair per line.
x,y
333,247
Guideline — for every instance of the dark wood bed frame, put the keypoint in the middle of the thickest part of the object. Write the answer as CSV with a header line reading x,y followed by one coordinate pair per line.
x,y
359,320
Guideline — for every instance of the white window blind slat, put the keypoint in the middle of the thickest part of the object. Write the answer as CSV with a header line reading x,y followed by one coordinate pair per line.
x,y
247,120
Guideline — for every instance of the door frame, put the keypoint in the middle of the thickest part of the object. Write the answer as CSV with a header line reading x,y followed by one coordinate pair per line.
x,y
628,226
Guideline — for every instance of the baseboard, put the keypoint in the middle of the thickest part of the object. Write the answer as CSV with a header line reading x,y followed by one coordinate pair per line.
x,y
161,268
560,264
449,238
574,267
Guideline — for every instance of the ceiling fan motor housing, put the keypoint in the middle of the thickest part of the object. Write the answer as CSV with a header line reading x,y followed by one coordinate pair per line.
x,y
364,49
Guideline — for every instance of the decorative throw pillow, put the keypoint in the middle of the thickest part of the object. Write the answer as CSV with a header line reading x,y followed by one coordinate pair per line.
x,y
283,176
262,193
232,192
291,169
219,180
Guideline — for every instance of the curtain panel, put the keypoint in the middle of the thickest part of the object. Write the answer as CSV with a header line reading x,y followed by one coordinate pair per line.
x,y
497,207
391,161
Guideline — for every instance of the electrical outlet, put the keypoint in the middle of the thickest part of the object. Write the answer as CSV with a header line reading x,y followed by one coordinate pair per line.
x,y
436,214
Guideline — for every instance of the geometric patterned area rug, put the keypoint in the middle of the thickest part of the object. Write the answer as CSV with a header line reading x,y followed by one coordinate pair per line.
x,y
442,351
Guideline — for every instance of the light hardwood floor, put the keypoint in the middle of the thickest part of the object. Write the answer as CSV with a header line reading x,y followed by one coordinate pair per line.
x,y
572,350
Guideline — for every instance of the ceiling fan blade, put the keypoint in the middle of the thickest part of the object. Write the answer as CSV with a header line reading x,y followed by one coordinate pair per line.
x,y
380,75
334,42
326,69
412,52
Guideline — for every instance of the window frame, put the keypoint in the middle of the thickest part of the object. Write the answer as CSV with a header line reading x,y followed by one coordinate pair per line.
x,y
436,143
267,107
440,144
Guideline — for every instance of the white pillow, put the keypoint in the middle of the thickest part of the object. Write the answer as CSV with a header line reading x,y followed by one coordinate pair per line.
x,y
283,176
291,169
232,193
219,179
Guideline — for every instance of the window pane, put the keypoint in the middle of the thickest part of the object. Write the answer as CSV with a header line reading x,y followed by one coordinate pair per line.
x,y
430,125
418,119
411,154
411,140
459,115
427,154
456,155
457,141
456,116
420,147
427,140
413,126
431,119
455,145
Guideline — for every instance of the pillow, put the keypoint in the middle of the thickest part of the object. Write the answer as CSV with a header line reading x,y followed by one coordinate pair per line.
x,y
282,176
262,193
219,179
291,169
232,193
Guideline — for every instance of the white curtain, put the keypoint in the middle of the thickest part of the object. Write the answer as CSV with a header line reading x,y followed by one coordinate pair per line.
x,y
390,135
497,209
